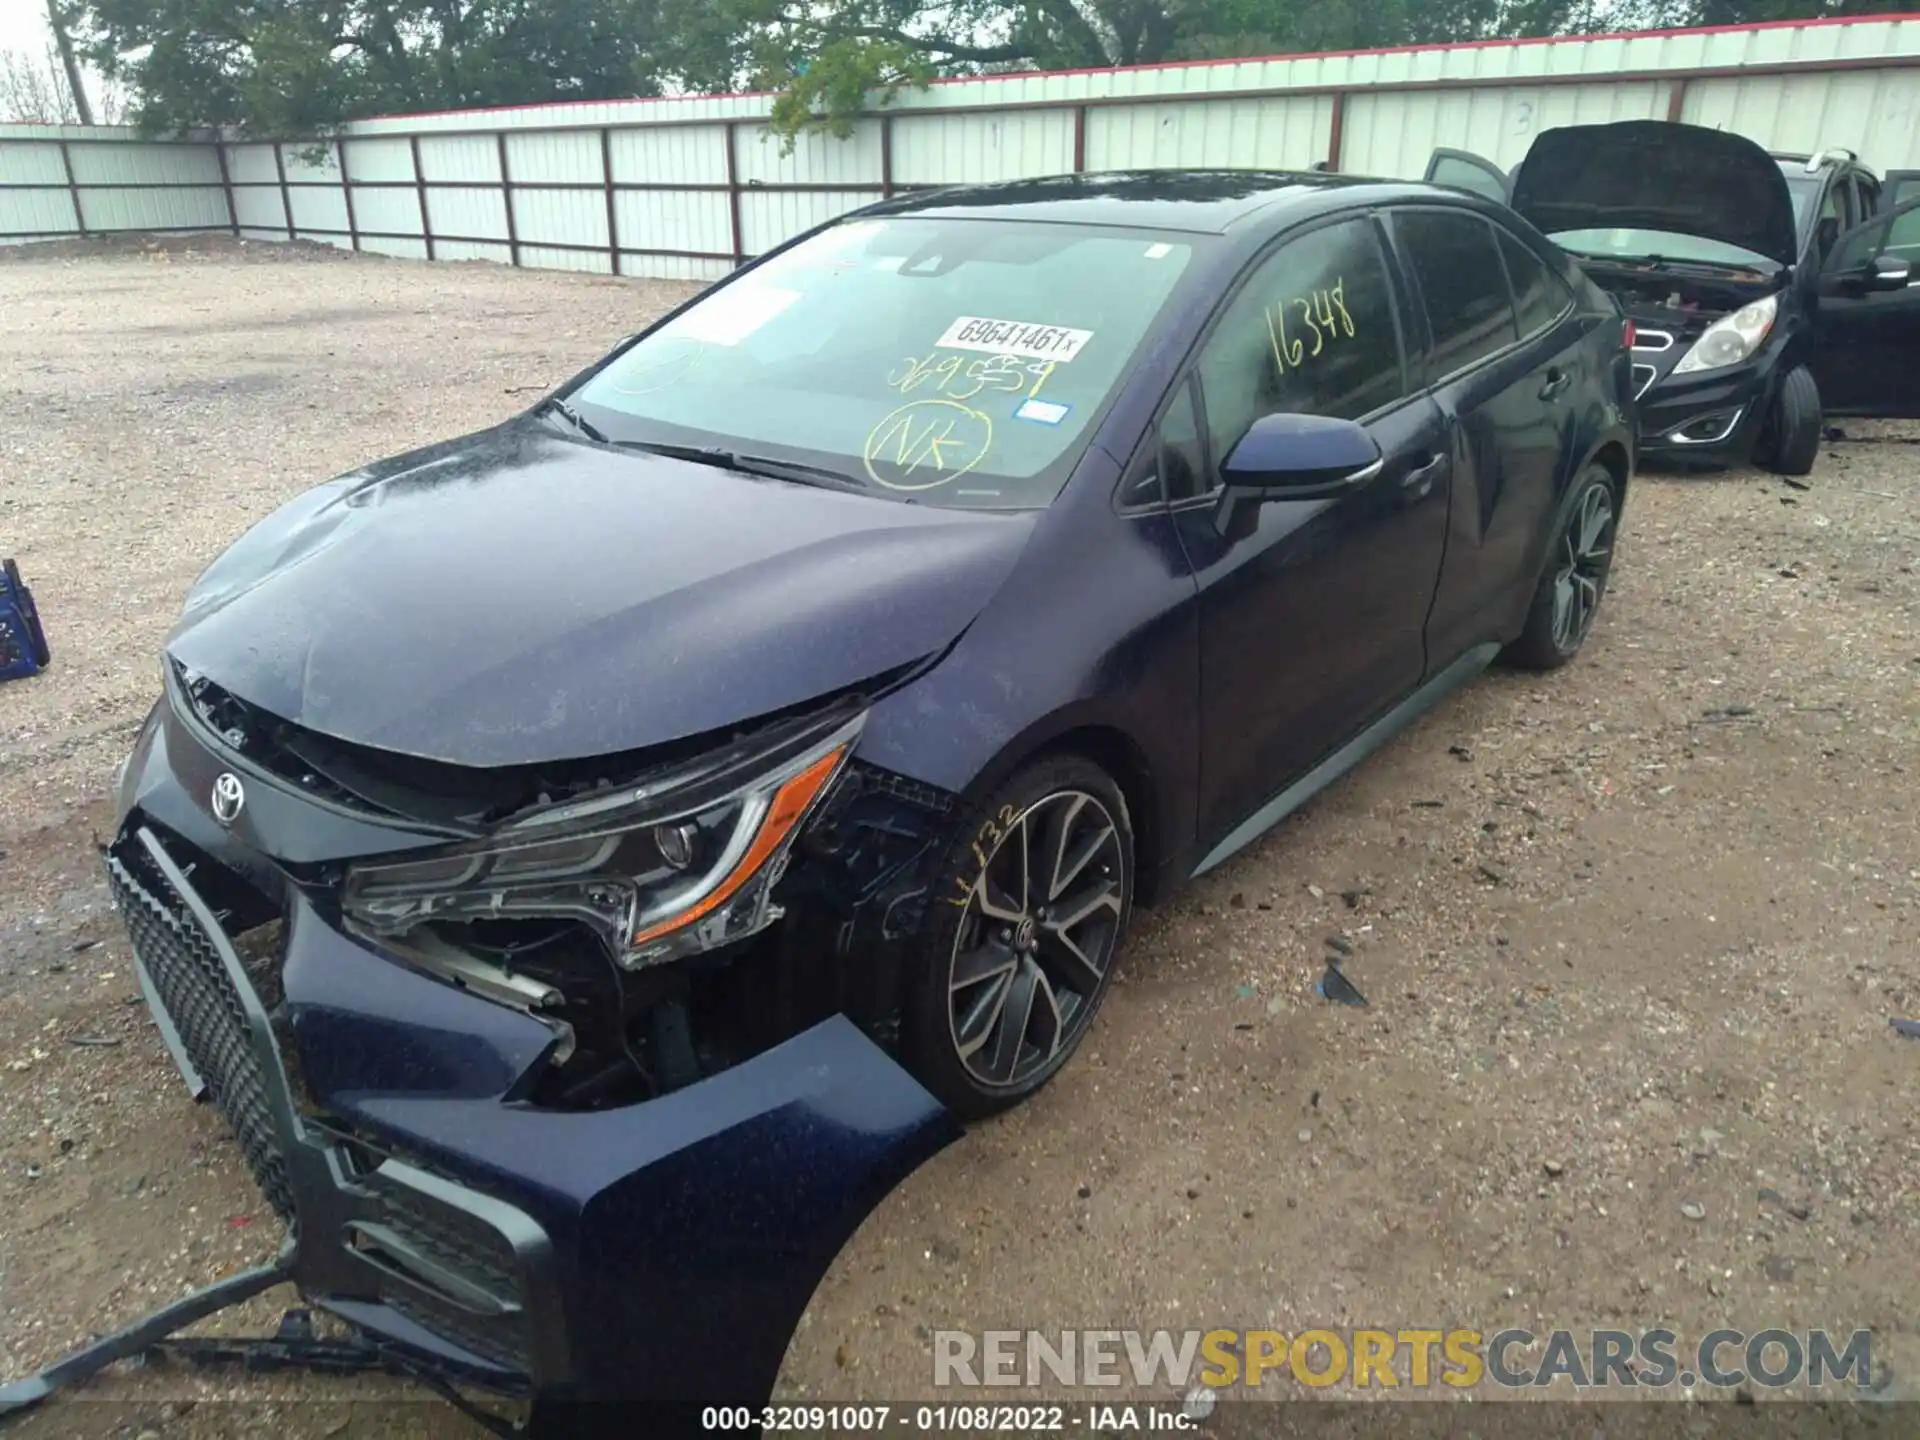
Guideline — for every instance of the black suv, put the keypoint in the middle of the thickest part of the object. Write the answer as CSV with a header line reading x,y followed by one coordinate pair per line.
x,y
1764,289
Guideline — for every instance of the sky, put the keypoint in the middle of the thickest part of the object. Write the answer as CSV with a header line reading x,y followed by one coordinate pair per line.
x,y
23,27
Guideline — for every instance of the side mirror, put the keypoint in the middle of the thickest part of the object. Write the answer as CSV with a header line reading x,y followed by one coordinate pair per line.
x,y
1296,457
1887,273
1301,457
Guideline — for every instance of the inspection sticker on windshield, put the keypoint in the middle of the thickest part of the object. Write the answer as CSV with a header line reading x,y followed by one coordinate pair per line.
x,y
1041,412
1011,337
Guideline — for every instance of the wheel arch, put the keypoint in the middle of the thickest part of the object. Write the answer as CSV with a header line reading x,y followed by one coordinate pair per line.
x,y
1123,758
1613,458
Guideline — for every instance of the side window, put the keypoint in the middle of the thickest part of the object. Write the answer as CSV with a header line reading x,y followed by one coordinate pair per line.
x,y
1903,231
1867,197
1831,223
1458,265
1540,297
1183,463
1173,467
1462,174
1896,234
1313,332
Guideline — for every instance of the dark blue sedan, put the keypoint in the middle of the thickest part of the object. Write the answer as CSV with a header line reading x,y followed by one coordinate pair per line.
x,y
590,861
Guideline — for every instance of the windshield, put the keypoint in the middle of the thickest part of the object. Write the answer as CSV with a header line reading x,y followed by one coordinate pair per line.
x,y
1660,244
958,363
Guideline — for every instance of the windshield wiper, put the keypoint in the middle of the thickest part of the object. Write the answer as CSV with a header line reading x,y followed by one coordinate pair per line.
x,y
800,474
554,405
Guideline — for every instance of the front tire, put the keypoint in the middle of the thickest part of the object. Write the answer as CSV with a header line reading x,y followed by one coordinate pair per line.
x,y
1026,919
1574,580
1790,439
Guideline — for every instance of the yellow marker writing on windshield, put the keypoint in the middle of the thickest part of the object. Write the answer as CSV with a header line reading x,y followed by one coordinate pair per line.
x,y
936,441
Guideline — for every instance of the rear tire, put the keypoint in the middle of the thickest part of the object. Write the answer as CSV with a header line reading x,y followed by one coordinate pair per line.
x,y
1790,439
1574,579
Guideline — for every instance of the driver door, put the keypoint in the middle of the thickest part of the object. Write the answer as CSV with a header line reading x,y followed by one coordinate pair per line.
x,y
1463,170
1312,612
1867,315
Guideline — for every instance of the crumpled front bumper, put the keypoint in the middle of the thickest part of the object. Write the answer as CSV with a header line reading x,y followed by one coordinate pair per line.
x,y
656,1254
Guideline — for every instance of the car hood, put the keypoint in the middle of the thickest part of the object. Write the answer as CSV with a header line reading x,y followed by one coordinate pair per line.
x,y
1657,175
518,597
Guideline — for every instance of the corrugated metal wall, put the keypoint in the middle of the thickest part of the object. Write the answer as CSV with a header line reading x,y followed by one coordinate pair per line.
x,y
63,180
684,188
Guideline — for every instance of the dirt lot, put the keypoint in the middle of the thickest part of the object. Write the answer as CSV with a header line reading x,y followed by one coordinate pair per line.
x,y
1631,934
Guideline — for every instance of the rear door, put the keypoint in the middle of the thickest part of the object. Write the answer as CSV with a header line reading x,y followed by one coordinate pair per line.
x,y
1463,170
1867,320
1504,362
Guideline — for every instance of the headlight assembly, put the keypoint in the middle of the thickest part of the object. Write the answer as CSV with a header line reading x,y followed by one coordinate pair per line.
x,y
1731,338
658,872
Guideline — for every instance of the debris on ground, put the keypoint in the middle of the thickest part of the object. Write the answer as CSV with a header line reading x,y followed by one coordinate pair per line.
x,y
1336,987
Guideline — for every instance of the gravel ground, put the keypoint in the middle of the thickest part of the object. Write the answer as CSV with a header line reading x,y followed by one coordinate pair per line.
x,y
1631,933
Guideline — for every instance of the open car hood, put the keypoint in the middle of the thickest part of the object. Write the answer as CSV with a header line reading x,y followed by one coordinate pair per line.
x,y
1657,175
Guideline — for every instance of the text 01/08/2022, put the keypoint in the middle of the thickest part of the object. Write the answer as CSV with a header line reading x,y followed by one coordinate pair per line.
x,y
943,1419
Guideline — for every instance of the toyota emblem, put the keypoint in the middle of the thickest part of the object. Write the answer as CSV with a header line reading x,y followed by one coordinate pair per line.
x,y
229,797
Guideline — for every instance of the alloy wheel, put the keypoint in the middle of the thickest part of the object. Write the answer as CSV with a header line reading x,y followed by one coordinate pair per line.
x,y
1034,947
1586,550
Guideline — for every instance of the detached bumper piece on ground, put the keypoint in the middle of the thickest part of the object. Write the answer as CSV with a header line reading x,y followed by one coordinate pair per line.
x,y
23,642
644,1259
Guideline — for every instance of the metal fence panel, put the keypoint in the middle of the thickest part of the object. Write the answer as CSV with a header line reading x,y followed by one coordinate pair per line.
x,y
691,224
567,158
688,155
817,159
31,162
471,212
460,157
967,148
1875,113
687,186
380,161
1278,132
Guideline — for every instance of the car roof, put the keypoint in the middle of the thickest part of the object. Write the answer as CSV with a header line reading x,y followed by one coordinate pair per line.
x,y
1202,201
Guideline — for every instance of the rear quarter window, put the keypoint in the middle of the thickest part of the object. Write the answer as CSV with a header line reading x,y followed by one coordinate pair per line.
x,y
1540,297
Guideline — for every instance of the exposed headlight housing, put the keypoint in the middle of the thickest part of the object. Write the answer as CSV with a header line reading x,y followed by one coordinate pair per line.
x,y
1731,338
658,872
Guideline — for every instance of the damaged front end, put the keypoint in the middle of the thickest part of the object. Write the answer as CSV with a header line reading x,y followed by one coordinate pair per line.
x,y
1694,232
568,1081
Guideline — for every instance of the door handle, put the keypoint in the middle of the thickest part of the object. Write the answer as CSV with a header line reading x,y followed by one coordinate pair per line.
x,y
1419,480
1557,381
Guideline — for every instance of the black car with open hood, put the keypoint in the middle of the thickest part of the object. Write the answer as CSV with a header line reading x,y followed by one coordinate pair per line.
x,y
1766,291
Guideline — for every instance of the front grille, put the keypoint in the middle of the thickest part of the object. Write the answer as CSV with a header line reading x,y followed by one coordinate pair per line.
x,y
192,986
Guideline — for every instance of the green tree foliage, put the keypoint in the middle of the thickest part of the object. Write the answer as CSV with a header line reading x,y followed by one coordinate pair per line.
x,y
298,67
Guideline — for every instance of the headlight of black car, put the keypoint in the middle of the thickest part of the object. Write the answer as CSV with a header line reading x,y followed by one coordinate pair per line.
x,y
657,871
1731,338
